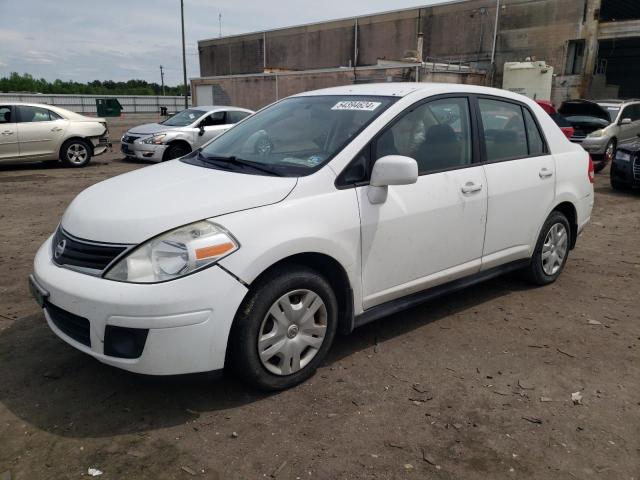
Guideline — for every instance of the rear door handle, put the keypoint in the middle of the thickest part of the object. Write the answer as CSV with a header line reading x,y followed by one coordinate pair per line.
x,y
545,172
7,132
56,129
471,187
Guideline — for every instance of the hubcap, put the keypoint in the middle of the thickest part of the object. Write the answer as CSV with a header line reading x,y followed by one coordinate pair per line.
x,y
77,153
292,332
554,249
609,152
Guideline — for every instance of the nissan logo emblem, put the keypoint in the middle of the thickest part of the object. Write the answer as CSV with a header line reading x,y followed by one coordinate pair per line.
x,y
60,248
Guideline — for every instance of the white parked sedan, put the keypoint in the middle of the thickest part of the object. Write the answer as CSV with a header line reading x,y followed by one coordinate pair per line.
x,y
320,213
181,133
31,132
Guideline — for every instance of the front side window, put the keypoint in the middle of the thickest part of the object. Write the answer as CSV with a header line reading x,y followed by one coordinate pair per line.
x,y
183,118
27,114
212,120
436,134
293,137
504,130
5,115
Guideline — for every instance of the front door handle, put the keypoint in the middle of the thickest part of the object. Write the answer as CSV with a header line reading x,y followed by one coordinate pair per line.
x,y
545,172
7,132
471,187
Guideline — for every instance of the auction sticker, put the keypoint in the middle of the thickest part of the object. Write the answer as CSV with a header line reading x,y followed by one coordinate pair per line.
x,y
356,105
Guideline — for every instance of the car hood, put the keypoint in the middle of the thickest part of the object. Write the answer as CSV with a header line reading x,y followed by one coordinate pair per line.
x,y
138,205
583,108
150,128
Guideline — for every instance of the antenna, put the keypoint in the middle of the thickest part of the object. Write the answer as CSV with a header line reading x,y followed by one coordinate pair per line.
x,y
220,25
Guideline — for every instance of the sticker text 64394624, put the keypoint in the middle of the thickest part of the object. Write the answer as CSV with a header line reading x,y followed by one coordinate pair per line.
x,y
356,105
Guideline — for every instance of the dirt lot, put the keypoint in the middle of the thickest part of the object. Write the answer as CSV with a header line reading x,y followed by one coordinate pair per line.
x,y
474,385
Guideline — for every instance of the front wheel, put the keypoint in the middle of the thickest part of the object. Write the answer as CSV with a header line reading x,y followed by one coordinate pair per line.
x,y
175,151
552,250
284,328
609,154
75,153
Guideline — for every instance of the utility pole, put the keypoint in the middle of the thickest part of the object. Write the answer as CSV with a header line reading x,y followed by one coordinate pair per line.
x,y
184,58
495,38
220,25
162,79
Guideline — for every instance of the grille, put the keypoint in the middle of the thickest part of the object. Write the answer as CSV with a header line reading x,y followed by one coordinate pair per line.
x,y
71,325
129,138
83,255
636,167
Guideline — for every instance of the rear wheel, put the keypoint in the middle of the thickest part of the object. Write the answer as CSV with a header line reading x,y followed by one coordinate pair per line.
x,y
552,250
284,328
75,153
176,150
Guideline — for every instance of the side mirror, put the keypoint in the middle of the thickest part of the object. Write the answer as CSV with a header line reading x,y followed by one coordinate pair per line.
x,y
201,132
625,121
390,170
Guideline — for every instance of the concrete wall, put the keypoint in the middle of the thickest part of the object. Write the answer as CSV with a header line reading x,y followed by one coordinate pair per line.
x,y
257,91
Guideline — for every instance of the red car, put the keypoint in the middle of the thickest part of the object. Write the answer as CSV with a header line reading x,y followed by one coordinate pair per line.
x,y
565,126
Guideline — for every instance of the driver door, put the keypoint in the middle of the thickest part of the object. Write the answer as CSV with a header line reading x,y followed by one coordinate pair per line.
x,y
430,232
210,127
8,134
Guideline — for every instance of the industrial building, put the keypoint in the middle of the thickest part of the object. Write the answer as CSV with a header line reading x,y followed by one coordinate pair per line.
x,y
592,45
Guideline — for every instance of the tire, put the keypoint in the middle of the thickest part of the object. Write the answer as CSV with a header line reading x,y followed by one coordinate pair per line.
x,y
75,153
607,158
545,270
618,185
175,151
282,338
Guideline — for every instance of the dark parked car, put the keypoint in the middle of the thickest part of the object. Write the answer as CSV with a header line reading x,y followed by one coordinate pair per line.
x,y
625,167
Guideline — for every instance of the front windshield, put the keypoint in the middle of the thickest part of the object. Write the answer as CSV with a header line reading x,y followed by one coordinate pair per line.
x,y
613,112
183,118
295,136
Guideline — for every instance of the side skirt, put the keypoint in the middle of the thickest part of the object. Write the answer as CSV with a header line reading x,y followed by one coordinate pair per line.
x,y
399,304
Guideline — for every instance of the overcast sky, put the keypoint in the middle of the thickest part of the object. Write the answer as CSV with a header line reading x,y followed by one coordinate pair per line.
x,y
86,40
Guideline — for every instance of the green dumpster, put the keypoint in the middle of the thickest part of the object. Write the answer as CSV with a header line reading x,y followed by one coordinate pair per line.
x,y
108,107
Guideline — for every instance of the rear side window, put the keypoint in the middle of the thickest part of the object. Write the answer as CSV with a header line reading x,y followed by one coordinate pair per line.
x,y
436,134
536,145
235,116
27,114
504,130
5,115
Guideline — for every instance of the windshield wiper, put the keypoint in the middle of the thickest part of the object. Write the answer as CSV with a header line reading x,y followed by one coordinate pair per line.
x,y
240,162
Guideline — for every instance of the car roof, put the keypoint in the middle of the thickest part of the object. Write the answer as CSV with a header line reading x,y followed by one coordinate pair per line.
x,y
211,108
402,89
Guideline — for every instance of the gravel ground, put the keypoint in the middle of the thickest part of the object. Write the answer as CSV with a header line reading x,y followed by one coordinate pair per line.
x,y
474,385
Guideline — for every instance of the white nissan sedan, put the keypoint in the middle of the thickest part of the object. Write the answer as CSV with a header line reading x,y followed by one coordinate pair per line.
x,y
318,214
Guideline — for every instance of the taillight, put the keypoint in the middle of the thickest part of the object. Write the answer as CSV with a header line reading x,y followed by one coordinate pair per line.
x,y
592,172
568,131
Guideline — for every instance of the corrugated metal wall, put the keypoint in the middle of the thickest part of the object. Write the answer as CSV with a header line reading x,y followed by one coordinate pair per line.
x,y
86,104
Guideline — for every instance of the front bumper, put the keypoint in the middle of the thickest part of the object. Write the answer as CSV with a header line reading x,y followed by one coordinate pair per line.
x,y
626,172
595,146
143,151
188,319
100,145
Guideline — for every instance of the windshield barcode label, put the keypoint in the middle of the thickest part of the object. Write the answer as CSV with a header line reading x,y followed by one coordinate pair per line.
x,y
356,105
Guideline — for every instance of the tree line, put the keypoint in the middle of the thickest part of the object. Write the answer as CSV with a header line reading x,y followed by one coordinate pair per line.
x,y
25,83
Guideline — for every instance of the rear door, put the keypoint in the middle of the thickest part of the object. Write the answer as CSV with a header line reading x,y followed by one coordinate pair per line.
x,y
9,149
521,179
40,132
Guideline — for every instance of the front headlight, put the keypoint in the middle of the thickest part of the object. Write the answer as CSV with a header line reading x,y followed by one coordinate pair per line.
x,y
596,134
175,253
155,139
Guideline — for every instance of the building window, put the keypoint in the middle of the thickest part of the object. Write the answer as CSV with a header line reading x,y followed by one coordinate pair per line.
x,y
575,57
